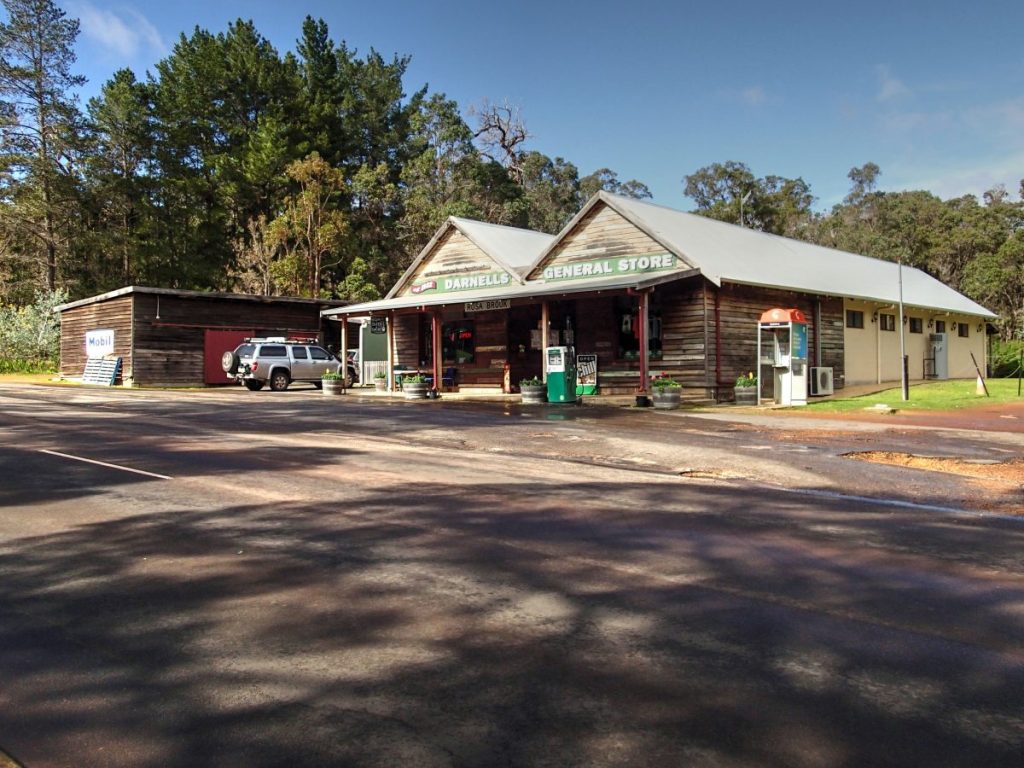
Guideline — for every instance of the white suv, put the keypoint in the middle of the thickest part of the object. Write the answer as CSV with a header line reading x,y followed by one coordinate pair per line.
x,y
278,362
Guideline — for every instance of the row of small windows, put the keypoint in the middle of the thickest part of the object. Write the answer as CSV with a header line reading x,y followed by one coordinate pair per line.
x,y
887,322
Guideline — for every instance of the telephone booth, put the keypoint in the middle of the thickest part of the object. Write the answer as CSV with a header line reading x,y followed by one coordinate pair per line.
x,y
782,355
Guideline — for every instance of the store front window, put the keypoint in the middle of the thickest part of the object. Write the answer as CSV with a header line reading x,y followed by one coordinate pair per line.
x,y
628,322
458,338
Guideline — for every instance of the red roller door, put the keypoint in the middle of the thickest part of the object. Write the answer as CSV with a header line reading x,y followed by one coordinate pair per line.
x,y
215,344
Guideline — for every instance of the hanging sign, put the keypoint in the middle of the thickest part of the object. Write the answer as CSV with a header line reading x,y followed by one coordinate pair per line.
x,y
99,343
378,324
487,306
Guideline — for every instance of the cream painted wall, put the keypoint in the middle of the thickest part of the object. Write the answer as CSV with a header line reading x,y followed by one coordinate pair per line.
x,y
873,355
960,349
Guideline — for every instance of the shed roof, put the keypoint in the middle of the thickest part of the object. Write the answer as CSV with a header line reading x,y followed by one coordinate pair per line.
x,y
728,252
129,289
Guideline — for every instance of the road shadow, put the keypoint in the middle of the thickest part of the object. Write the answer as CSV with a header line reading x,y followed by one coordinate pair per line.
x,y
516,627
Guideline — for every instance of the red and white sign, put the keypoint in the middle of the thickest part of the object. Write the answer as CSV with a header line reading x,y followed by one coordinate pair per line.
x,y
427,286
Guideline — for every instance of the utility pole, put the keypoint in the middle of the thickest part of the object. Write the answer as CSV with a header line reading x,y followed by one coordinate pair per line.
x,y
903,350
744,199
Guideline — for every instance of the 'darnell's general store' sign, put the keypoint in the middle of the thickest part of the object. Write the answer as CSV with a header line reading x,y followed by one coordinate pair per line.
x,y
473,282
605,267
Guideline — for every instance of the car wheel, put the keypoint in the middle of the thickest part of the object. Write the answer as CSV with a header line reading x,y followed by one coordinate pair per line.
x,y
350,378
254,385
279,380
229,362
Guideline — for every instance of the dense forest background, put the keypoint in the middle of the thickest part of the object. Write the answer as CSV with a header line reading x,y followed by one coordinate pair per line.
x,y
318,172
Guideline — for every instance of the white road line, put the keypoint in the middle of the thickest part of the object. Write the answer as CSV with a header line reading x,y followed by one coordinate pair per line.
x,y
105,464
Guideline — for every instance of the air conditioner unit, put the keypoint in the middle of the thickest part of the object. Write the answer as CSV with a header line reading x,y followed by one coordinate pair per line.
x,y
821,381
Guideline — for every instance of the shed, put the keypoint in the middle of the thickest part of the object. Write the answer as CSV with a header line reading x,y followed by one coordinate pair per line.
x,y
168,337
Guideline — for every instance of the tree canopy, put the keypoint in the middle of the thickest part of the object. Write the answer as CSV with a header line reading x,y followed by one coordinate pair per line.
x,y
319,171
974,247
234,167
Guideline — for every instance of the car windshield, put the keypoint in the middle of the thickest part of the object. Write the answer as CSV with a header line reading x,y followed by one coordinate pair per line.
x,y
245,350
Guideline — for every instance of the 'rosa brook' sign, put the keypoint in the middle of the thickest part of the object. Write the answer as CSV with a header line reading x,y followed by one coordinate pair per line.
x,y
604,267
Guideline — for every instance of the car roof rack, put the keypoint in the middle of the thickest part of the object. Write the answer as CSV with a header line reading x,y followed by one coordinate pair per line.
x,y
280,340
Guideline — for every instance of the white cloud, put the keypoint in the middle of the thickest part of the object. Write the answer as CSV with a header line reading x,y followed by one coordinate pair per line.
x,y
965,178
125,32
889,87
752,95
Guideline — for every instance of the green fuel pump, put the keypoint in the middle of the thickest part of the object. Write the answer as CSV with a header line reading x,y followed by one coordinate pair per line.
x,y
561,368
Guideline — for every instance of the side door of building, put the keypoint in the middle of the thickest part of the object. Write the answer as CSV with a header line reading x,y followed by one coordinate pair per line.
x,y
301,364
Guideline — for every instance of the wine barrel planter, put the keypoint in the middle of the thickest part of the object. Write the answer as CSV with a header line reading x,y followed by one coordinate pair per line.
x,y
534,394
666,398
746,395
415,390
332,386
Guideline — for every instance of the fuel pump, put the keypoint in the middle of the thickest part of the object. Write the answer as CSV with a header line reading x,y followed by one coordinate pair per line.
x,y
561,368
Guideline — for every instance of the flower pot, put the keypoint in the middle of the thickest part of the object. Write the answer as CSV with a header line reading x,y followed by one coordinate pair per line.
x,y
666,398
415,390
380,385
746,395
534,394
332,386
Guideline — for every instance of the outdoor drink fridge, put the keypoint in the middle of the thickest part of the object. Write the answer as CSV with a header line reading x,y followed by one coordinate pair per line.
x,y
561,368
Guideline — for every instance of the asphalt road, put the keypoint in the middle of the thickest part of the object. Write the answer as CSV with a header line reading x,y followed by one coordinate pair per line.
x,y
294,580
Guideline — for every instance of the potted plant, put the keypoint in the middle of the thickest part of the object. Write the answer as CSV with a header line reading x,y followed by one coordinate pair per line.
x,y
414,386
332,383
666,393
746,389
533,390
380,381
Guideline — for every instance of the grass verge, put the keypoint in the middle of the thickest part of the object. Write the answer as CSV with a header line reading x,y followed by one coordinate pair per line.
x,y
933,396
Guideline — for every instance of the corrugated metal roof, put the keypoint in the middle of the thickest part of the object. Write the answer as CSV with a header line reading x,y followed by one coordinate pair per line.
x,y
197,295
510,248
514,247
729,252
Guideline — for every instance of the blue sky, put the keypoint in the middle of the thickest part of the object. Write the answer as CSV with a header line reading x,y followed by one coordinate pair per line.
x,y
933,92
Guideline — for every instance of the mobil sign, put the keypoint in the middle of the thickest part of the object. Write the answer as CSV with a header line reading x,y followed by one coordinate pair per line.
x,y
99,343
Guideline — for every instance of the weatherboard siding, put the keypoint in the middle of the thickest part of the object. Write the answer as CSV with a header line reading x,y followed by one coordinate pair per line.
x,y
739,312
169,331
115,315
601,234
454,255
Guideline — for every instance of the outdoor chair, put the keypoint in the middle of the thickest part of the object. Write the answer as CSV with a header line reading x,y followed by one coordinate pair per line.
x,y
448,379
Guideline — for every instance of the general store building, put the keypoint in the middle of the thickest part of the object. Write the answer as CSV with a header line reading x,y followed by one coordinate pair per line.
x,y
649,291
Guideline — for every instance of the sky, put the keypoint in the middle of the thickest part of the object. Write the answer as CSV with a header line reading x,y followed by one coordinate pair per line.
x,y
932,92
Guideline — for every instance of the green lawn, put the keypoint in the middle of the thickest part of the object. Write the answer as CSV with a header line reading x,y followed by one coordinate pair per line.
x,y
934,396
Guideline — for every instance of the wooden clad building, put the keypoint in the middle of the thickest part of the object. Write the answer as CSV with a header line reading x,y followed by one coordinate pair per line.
x,y
170,337
652,291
